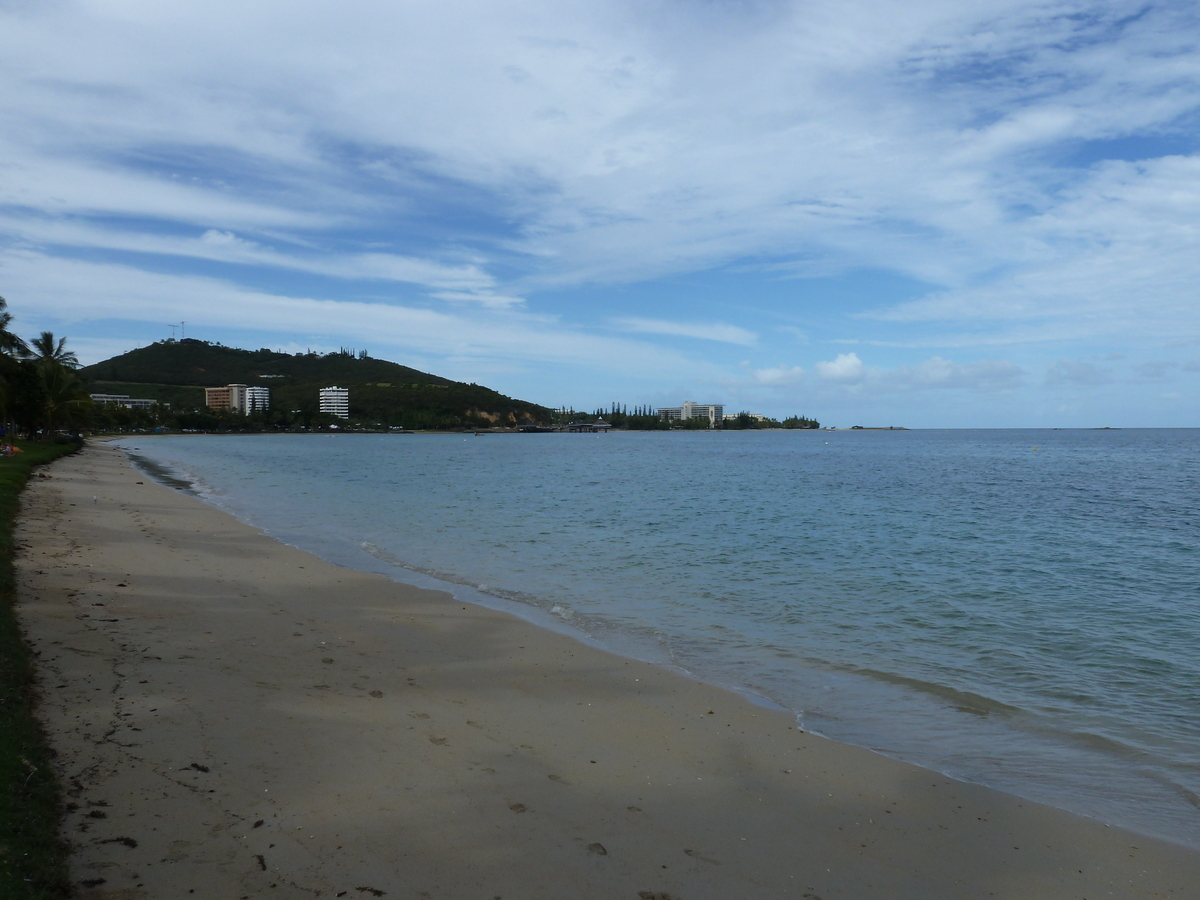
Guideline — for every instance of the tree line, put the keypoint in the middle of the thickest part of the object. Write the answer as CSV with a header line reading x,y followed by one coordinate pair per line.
x,y
40,388
646,418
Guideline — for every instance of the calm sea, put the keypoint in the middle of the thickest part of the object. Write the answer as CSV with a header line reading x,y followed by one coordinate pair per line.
x,y
1015,608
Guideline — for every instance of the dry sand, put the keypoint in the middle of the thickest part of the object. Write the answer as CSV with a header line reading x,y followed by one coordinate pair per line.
x,y
235,718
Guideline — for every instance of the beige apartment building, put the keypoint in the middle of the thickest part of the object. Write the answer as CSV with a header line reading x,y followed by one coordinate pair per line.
x,y
237,397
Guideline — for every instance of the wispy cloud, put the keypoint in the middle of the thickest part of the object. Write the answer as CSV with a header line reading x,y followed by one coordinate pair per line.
x,y
1027,169
935,373
777,376
78,292
705,331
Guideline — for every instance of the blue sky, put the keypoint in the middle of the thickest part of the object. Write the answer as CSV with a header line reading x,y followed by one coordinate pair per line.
x,y
945,214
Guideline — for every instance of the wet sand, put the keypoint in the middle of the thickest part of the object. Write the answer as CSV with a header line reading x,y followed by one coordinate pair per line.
x,y
235,718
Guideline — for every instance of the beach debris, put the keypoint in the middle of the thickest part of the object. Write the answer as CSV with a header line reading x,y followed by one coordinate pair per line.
x,y
598,849
258,824
366,889
377,694
434,739
126,841
651,895
327,660
97,814
517,807
93,882
262,863
198,767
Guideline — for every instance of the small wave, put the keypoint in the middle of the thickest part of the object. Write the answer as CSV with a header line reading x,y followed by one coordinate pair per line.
x,y
963,701
392,560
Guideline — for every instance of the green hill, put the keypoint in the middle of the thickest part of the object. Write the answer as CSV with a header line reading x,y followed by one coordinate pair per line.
x,y
192,362
381,392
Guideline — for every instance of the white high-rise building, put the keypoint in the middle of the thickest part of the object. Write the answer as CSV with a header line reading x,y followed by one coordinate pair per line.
x,y
714,412
335,401
258,398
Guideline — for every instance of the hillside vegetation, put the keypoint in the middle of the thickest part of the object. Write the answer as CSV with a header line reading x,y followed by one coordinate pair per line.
x,y
192,362
381,392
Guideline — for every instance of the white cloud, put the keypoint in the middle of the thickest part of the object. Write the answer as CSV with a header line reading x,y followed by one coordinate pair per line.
x,y
779,375
706,331
459,283
75,292
846,369
625,140
483,155
936,372
933,373
223,239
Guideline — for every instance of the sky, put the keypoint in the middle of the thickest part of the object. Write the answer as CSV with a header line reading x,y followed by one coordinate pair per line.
x,y
953,213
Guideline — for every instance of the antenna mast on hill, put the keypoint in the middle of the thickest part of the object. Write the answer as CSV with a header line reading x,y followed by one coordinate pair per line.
x,y
172,327
182,331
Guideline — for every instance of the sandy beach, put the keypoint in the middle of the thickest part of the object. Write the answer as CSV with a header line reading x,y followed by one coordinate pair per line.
x,y
235,718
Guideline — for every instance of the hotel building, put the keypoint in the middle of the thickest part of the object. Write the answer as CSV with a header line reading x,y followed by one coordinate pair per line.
x,y
127,401
238,398
258,398
714,412
335,401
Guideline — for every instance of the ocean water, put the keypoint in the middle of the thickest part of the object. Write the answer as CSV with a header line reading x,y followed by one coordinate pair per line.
x,y
1015,608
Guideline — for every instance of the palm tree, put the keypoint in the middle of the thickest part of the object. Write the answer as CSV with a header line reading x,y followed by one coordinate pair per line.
x,y
48,353
12,349
10,344
62,394
62,391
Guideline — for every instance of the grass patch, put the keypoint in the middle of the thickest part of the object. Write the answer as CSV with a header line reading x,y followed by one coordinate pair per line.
x,y
33,858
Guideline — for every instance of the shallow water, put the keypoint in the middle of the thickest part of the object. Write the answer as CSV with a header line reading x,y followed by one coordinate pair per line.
x,y
1015,608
